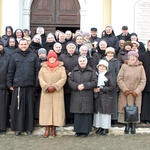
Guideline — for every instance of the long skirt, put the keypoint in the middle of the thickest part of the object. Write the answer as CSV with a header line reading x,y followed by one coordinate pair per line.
x,y
82,123
67,98
102,121
145,108
114,116
22,109
4,109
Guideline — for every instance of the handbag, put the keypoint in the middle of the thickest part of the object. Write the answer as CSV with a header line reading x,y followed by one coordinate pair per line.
x,y
131,112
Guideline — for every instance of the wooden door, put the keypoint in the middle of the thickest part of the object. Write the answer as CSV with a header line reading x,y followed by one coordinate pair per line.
x,y
52,14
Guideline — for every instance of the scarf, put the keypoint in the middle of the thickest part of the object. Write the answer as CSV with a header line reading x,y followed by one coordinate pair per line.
x,y
101,79
53,66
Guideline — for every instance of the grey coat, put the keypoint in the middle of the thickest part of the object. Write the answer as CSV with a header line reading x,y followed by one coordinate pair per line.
x,y
82,101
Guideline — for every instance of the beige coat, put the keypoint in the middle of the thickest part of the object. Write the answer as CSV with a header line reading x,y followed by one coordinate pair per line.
x,y
131,78
52,111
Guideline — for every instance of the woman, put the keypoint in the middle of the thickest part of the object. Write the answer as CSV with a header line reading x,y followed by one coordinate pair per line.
x,y
11,46
52,77
7,35
35,45
82,82
104,100
70,60
57,48
48,45
99,54
114,66
131,81
4,101
123,54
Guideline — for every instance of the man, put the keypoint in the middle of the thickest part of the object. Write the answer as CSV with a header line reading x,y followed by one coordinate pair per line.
x,y
145,107
125,35
21,79
94,37
4,101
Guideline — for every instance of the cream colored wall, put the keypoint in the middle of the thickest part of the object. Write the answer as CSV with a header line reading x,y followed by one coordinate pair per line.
x,y
106,13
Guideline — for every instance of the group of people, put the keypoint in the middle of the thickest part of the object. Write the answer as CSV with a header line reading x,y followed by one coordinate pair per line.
x,y
79,78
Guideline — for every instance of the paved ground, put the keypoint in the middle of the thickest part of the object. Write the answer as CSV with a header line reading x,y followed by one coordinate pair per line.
x,y
65,140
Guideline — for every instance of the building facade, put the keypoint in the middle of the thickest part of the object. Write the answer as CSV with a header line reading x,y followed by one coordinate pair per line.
x,y
92,13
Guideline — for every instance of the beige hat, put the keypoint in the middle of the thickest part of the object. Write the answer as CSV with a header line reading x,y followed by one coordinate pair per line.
x,y
110,49
103,62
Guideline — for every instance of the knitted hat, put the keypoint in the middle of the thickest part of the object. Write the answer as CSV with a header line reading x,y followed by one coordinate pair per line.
x,y
133,53
110,49
128,43
42,51
51,53
1,43
103,62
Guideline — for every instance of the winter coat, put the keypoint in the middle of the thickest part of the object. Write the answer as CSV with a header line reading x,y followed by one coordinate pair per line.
x,y
48,46
104,101
4,62
130,78
96,58
82,101
122,56
4,39
125,38
35,47
52,111
112,41
23,69
10,50
69,63
145,58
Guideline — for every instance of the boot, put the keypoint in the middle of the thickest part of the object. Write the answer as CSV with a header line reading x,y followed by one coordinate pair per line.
x,y
133,130
127,128
53,131
47,132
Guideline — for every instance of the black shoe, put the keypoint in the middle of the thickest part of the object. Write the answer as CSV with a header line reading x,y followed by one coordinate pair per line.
x,y
77,134
85,134
133,130
127,128
17,133
98,130
104,132
29,132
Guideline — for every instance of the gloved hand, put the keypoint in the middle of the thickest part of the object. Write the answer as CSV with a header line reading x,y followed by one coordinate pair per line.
x,y
51,89
126,93
134,94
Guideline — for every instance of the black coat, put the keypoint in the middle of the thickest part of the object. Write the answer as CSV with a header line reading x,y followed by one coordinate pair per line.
x,y
48,46
96,58
112,41
69,63
4,62
145,58
122,56
35,47
82,101
104,102
10,50
23,69
125,38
